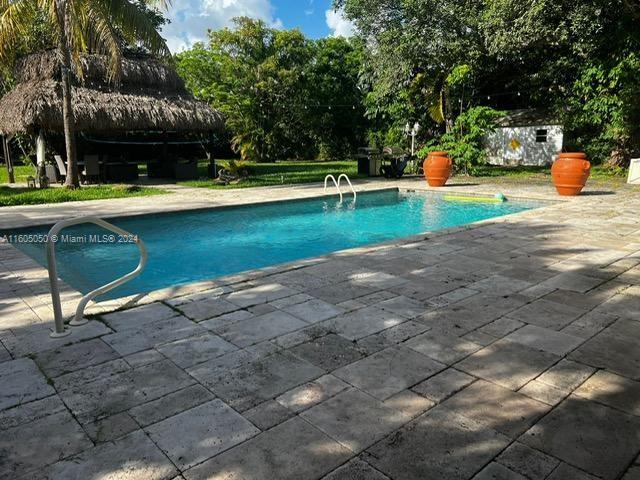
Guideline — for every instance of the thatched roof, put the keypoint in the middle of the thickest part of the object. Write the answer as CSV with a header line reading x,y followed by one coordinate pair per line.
x,y
150,96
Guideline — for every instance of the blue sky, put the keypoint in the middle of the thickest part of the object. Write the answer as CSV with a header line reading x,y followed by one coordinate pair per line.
x,y
190,19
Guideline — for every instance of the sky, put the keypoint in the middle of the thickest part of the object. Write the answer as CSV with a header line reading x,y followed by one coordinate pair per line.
x,y
190,19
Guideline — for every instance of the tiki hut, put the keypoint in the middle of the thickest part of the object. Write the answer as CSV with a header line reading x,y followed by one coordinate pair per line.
x,y
150,96
137,120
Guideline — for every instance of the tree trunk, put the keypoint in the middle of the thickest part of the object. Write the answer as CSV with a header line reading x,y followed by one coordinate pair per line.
x,y
620,156
7,158
68,119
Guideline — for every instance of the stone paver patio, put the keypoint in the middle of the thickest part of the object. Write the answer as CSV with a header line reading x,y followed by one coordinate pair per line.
x,y
507,349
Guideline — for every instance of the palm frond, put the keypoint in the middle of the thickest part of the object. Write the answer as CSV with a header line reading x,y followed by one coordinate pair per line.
x,y
104,38
15,18
135,26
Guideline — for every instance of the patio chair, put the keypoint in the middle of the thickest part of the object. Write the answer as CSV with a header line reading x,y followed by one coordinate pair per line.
x,y
62,169
91,169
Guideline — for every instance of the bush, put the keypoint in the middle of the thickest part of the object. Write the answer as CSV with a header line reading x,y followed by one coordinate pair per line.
x,y
465,143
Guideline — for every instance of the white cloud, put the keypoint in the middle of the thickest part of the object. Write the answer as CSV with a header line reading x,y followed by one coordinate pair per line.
x,y
190,19
339,25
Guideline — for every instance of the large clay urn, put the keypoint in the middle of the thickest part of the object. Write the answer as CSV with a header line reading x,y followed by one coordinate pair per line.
x,y
437,168
570,172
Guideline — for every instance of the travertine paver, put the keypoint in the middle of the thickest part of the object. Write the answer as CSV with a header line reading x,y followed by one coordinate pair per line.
x,y
579,431
566,375
268,414
139,316
74,357
122,391
356,470
498,408
355,419
111,428
496,471
507,363
250,384
363,322
313,311
438,444
200,433
443,385
527,461
389,371
291,451
442,349
329,352
133,457
260,294
615,348
259,328
545,339
21,382
170,404
612,390
41,442
567,472
203,309
312,393
547,314
190,351
141,337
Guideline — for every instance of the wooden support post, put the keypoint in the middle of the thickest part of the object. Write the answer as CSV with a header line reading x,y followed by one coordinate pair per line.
x,y
41,150
7,158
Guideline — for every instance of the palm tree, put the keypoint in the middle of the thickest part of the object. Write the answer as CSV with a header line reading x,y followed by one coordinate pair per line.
x,y
77,27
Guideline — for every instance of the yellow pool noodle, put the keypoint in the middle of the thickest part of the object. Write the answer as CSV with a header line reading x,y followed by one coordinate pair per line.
x,y
456,198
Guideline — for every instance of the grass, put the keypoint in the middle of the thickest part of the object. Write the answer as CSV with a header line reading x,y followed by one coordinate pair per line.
x,y
280,173
10,196
599,175
21,172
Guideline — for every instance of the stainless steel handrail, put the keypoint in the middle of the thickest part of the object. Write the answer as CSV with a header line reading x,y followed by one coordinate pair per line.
x,y
344,175
60,330
336,183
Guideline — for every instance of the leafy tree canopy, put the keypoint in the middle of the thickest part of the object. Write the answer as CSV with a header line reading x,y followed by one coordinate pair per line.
x,y
282,95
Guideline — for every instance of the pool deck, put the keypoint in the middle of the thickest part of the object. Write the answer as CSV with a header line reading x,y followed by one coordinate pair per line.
x,y
505,349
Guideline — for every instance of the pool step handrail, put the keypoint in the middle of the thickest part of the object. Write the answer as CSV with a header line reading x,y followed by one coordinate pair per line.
x,y
52,238
335,182
346,177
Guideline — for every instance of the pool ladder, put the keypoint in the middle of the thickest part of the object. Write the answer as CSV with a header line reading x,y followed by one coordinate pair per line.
x,y
337,184
52,238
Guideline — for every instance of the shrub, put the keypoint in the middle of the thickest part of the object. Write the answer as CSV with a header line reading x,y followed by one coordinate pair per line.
x,y
465,143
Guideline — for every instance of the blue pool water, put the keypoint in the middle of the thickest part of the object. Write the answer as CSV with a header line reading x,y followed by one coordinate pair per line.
x,y
191,246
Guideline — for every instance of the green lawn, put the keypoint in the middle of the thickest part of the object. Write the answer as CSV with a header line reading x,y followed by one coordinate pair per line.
x,y
281,173
21,173
24,196
600,175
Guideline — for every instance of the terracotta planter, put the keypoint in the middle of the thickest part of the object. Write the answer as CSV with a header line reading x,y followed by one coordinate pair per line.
x,y
570,172
437,168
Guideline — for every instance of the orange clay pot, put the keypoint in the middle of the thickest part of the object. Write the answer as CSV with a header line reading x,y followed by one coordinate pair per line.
x,y
570,172
437,168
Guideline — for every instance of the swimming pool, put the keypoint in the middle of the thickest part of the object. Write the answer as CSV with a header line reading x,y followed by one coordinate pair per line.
x,y
191,246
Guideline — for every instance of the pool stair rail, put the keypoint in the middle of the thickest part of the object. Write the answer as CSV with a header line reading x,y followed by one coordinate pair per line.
x,y
60,330
337,184
353,190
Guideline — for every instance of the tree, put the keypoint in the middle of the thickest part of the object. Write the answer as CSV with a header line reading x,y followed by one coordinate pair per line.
x,y
432,60
418,50
282,95
337,124
76,27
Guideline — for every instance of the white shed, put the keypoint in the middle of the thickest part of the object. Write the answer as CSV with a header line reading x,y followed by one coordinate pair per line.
x,y
525,137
